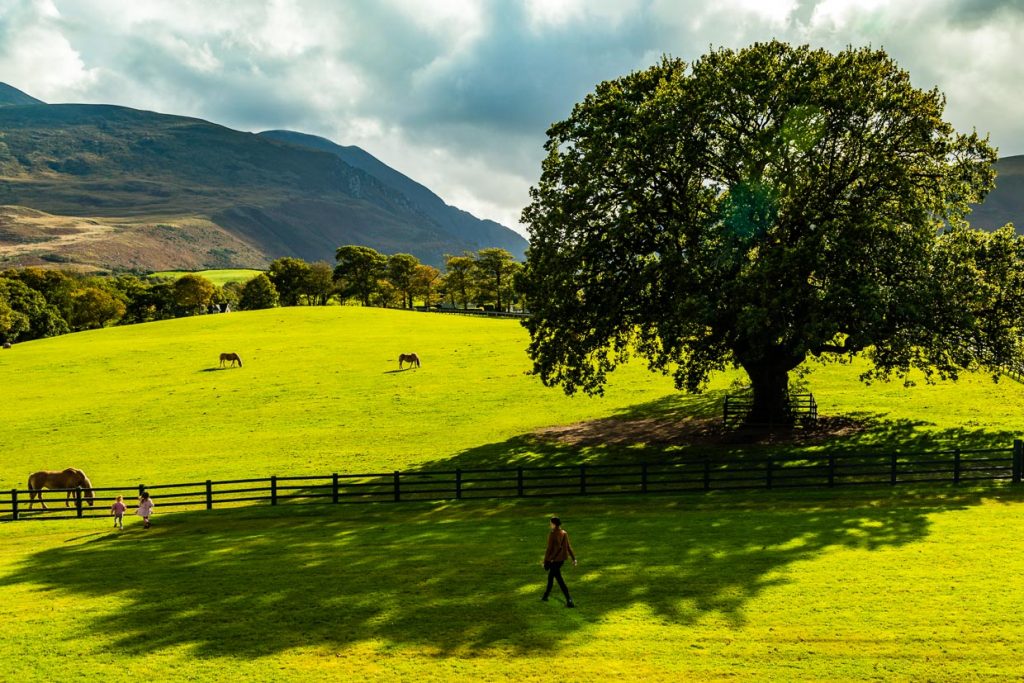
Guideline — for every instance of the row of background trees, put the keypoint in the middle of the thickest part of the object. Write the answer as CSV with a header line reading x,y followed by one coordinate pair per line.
x,y
36,303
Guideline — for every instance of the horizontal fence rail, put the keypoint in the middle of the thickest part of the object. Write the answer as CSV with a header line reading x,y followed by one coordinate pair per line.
x,y
471,311
697,474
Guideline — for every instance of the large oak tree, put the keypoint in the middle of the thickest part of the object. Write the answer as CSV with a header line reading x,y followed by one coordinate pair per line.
x,y
757,207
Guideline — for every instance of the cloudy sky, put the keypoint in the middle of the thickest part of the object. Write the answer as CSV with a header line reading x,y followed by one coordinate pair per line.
x,y
458,93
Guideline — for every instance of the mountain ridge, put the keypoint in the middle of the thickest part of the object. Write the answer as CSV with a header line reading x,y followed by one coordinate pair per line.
x,y
208,195
455,220
11,96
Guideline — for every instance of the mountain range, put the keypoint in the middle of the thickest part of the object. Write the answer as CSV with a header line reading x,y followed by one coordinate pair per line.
x,y
109,187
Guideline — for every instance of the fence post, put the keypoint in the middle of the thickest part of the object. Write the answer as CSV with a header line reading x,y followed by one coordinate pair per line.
x,y
334,487
956,466
458,483
892,471
707,473
643,477
519,482
209,494
78,501
831,470
273,489
1018,459
398,490
14,504
768,473
583,479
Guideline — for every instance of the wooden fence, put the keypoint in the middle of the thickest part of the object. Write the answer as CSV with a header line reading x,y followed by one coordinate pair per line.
x,y
675,476
471,311
736,408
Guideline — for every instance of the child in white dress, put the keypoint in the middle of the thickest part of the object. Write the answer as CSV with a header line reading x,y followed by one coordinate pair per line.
x,y
145,508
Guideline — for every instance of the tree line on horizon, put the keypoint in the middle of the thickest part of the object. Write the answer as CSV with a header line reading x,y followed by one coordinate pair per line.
x,y
37,303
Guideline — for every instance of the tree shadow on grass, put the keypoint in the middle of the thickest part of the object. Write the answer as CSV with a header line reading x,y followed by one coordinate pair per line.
x,y
683,426
463,578
456,579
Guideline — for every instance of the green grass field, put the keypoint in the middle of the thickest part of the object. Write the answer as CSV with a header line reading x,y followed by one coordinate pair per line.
x,y
217,277
912,582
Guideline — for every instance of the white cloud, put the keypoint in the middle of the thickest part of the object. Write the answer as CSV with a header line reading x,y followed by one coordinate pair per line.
x,y
843,14
34,52
458,93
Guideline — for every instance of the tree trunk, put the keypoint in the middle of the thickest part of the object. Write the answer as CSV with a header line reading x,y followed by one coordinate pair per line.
x,y
770,383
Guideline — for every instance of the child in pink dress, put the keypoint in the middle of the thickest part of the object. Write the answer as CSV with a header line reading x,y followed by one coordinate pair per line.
x,y
117,510
145,508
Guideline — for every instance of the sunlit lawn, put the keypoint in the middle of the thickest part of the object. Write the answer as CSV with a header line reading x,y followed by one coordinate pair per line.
x,y
850,584
857,584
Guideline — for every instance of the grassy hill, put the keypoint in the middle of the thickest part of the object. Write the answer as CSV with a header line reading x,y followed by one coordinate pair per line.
x,y
217,277
194,194
318,393
847,584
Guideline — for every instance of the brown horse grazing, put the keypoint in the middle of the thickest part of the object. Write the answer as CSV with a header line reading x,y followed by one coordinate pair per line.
x,y
64,479
411,358
233,357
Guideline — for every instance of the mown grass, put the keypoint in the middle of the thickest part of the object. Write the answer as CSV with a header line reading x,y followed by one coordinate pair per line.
x,y
217,277
320,392
904,583
911,582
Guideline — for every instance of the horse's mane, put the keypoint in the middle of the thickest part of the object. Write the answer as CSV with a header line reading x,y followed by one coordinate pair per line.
x,y
86,484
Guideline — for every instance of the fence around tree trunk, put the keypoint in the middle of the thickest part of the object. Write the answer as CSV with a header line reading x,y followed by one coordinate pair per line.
x,y
683,475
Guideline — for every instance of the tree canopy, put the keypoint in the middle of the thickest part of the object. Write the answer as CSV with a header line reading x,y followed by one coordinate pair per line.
x,y
358,271
258,293
758,207
291,278
401,273
193,293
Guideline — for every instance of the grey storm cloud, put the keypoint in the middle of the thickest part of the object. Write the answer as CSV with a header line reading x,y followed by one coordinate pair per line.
x,y
459,93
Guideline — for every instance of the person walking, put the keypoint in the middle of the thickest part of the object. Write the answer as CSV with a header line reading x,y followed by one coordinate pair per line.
x,y
117,510
145,508
558,551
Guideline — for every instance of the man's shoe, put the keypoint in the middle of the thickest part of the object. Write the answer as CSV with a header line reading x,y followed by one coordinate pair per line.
x,y
570,604
544,598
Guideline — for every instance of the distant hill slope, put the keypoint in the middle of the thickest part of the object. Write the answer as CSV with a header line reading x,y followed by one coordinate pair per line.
x,y
12,96
193,194
462,224
1005,204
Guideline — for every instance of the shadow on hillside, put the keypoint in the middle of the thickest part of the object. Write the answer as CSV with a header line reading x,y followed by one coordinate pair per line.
x,y
454,579
680,426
